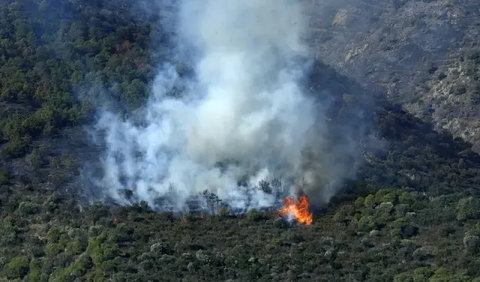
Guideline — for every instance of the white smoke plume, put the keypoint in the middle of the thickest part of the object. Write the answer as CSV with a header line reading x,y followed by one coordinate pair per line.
x,y
242,118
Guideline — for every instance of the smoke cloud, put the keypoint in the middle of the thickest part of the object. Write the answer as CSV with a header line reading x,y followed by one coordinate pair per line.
x,y
242,117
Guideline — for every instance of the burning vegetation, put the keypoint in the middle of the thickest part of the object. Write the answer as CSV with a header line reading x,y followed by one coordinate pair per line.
x,y
299,209
296,207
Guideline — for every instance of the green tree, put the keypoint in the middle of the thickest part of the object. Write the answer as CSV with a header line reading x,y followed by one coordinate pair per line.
x,y
370,201
17,267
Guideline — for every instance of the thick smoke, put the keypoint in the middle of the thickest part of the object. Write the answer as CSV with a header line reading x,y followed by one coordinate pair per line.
x,y
241,118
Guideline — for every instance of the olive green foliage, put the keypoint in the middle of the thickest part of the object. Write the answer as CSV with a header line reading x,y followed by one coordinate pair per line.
x,y
468,209
17,267
351,241
58,58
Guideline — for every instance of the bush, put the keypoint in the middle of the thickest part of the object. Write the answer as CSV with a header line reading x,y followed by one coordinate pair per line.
x,y
382,193
75,270
366,223
74,248
402,227
223,212
36,275
422,274
468,209
340,216
370,202
17,267
53,235
254,215
446,229
384,214
36,157
411,199
343,213
28,208
421,254
52,249
442,275
471,244
403,277
359,203
389,198
3,177
401,210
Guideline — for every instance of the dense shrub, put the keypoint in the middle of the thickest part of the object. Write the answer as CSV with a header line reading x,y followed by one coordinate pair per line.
x,y
17,267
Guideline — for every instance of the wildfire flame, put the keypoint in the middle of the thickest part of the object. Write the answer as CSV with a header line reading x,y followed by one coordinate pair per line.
x,y
299,209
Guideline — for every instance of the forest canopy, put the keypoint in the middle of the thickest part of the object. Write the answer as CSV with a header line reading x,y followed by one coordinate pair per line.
x,y
412,214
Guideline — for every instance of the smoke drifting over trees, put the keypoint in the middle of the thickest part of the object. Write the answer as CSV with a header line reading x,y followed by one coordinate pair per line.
x,y
60,59
242,117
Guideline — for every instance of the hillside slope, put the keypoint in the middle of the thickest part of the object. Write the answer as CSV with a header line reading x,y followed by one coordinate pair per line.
x,y
56,66
424,55
45,146
386,236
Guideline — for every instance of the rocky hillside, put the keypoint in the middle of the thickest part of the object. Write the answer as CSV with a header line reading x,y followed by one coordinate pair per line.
x,y
422,54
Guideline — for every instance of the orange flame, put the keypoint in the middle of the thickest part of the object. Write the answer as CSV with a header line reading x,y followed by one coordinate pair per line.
x,y
298,209
115,219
